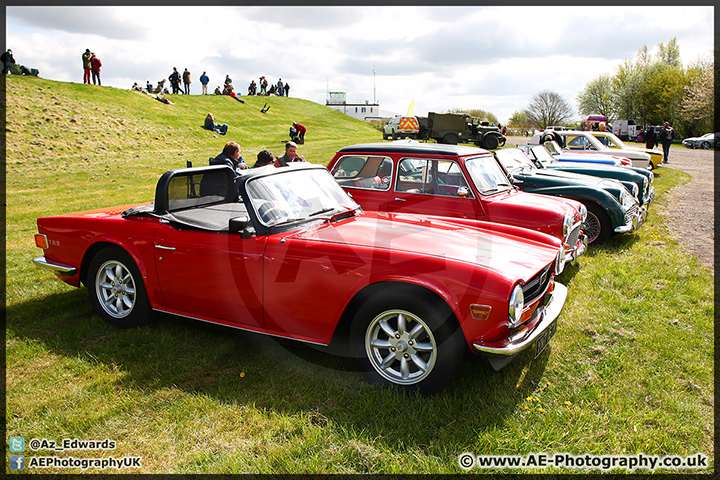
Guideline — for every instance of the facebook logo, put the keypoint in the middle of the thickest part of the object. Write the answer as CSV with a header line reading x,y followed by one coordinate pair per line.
x,y
17,462
17,444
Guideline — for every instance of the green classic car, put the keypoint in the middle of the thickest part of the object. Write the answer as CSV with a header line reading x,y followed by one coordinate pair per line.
x,y
611,208
637,180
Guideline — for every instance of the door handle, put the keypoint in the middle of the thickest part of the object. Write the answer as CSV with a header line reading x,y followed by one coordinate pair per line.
x,y
163,247
400,199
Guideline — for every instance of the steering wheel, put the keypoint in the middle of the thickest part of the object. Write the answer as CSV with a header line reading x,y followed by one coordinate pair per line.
x,y
270,213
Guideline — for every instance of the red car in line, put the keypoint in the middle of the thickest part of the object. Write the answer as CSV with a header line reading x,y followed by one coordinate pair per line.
x,y
286,252
453,181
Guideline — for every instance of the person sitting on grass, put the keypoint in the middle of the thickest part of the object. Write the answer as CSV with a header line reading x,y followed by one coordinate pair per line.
x,y
230,156
215,127
264,157
291,155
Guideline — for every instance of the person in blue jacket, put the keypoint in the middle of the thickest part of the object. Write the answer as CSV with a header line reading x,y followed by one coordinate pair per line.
x,y
204,80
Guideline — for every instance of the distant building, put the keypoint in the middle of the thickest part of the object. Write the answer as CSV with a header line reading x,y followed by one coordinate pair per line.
x,y
362,110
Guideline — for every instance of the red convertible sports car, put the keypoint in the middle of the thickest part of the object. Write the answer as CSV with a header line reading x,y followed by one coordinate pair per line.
x,y
453,181
286,252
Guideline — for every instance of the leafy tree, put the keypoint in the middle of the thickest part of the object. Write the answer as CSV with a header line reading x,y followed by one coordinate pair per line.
x,y
519,121
548,108
477,113
697,108
670,54
597,97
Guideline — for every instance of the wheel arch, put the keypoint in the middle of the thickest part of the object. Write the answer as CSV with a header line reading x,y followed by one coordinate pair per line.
x,y
96,247
342,328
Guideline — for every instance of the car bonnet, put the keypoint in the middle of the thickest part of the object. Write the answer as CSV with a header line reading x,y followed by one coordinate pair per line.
x,y
440,238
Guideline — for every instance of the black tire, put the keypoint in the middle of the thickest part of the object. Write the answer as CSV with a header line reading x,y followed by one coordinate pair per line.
x,y
491,142
450,139
394,136
597,224
388,330
705,145
385,136
116,289
651,165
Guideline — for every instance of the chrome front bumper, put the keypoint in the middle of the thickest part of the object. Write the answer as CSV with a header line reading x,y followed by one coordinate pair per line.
x,y
650,197
571,254
514,346
635,221
58,268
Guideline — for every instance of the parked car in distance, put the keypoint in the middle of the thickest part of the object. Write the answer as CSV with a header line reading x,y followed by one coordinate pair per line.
x,y
577,140
709,140
612,141
637,180
452,181
611,207
409,294
401,127
577,156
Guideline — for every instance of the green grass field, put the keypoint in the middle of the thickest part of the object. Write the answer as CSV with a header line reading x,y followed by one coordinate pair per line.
x,y
629,371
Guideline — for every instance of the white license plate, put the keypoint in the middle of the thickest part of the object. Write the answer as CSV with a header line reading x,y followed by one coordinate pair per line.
x,y
544,338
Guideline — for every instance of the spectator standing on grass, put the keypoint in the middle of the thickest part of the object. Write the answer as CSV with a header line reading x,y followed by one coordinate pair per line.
x,y
665,138
95,65
230,156
149,87
252,88
7,60
290,155
287,89
175,81
186,81
263,85
86,65
280,88
650,137
204,80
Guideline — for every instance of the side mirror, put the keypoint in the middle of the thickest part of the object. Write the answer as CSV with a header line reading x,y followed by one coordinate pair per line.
x,y
238,224
514,180
463,192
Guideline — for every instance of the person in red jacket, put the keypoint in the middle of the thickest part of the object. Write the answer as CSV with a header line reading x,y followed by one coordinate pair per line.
x,y
95,65
297,133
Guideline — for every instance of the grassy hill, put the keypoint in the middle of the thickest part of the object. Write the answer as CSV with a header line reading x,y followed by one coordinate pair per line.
x,y
630,369
75,122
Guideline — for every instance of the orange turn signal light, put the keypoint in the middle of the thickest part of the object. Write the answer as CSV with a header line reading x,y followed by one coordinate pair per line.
x,y
480,312
41,240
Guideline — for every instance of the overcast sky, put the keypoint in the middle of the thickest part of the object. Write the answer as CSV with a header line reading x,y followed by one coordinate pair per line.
x,y
493,58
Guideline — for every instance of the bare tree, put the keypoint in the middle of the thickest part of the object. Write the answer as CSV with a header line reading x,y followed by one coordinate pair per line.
x,y
548,108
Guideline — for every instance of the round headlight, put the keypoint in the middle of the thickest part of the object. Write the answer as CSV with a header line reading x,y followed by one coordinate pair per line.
x,y
560,262
635,190
516,305
567,223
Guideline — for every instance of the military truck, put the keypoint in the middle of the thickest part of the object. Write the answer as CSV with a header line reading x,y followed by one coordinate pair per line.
x,y
454,128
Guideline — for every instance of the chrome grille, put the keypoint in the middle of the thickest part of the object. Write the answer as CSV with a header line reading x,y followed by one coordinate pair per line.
x,y
573,236
632,212
536,286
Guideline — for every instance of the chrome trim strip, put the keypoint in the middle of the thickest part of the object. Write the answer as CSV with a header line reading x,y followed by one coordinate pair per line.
x,y
54,267
549,313
244,329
